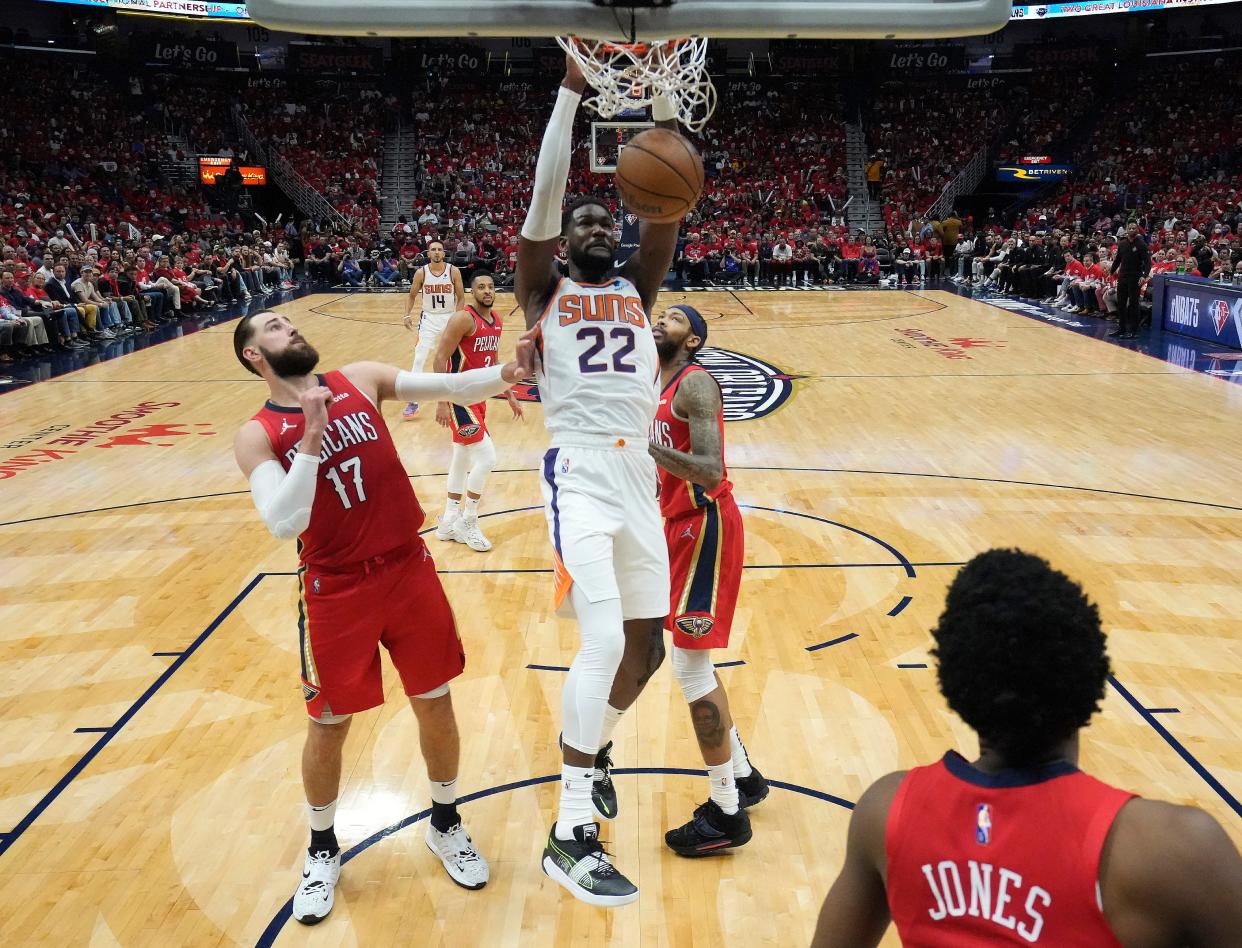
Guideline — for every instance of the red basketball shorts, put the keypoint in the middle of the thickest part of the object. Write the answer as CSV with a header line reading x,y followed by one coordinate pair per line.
x,y
469,423
344,617
705,550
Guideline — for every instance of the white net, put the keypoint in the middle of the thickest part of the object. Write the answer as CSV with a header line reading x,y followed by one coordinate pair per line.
x,y
625,76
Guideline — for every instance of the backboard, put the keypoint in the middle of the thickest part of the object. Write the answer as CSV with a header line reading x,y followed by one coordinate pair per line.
x,y
638,19
607,140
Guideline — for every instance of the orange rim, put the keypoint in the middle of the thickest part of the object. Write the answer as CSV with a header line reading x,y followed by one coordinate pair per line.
x,y
638,49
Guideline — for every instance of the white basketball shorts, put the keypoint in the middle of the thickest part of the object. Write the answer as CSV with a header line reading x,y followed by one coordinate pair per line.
x,y
600,499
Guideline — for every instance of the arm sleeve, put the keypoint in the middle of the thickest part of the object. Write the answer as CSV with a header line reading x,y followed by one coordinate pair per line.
x,y
461,388
543,220
284,499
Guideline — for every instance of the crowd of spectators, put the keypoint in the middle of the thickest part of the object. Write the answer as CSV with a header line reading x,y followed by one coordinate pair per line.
x,y
87,193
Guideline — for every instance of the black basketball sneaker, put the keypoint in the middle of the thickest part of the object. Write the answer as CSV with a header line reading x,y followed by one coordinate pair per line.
x,y
711,831
581,866
751,790
603,793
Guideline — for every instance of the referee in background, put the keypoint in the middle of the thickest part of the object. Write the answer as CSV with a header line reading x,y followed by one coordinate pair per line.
x,y
1131,263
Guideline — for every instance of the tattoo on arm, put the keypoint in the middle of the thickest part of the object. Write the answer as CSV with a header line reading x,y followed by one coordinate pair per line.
x,y
708,727
698,399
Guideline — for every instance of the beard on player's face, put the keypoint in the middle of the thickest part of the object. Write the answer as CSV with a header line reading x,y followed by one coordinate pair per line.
x,y
593,257
669,349
297,359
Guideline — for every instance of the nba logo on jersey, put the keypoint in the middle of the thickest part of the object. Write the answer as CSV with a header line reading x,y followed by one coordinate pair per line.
x,y
315,585
983,824
1219,311
565,466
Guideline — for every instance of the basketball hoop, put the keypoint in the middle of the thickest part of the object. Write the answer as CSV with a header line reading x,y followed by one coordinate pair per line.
x,y
627,75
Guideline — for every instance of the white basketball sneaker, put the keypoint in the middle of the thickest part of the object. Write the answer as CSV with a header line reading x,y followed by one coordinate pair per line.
x,y
315,896
446,528
461,860
466,530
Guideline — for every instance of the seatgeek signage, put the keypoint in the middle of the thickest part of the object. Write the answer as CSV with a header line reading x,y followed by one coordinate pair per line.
x,y
1199,308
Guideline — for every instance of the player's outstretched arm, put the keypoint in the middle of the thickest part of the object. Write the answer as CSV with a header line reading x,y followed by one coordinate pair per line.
x,y
855,913
1170,875
648,265
697,399
542,231
379,381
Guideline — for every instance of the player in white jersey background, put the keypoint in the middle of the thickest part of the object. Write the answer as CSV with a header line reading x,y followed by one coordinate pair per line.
x,y
438,292
597,384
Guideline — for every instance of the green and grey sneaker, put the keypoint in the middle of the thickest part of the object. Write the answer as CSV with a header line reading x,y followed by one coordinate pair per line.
x,y
581,866
603,793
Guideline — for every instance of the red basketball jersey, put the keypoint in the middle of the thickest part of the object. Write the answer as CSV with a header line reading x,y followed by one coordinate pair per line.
x,y
364,503
679,496
1013,858
479,349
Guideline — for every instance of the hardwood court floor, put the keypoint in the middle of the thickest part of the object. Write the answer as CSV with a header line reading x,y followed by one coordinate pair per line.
x,y
150,716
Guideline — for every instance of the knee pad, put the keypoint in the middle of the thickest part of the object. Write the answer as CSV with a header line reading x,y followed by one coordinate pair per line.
x,y
459,467
694,672
327,717
482,460
434,693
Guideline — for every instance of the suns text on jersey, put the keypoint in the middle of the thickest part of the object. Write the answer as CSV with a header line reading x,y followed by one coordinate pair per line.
x,y
341,433
600,308
990,899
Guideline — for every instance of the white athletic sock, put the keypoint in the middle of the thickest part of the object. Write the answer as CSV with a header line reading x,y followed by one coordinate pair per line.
x,y
471,507
575,805
444,791
724,786
321,817
451,508
612,717
741,763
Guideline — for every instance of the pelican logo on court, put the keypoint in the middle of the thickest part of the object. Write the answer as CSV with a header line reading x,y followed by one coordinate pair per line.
x,y
1219,311
695,626
750,387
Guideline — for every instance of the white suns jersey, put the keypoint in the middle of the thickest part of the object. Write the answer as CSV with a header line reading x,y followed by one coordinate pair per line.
x,y
438,291
599,371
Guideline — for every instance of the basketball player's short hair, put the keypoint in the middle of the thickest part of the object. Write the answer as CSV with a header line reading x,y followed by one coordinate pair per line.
x,y
1021,654
243,334
585,200
481,273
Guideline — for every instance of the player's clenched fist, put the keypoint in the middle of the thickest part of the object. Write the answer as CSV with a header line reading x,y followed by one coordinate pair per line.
x,y
314,403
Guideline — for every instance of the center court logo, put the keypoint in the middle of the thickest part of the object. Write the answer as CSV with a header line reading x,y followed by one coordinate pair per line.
x,y
751,387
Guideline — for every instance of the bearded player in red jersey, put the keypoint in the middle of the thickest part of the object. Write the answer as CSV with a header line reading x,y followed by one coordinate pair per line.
x,y
703,530
471,340
1020,847
322,467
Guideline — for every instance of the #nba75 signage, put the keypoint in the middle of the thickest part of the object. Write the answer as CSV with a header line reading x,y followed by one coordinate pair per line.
x,y
1199,308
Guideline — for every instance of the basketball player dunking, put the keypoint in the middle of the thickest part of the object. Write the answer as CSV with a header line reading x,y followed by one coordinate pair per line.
x,y
703,530
597,383
437,290
1020,847
471,340
322,468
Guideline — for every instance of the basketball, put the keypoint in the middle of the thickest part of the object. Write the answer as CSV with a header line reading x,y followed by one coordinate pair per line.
x,y
659,175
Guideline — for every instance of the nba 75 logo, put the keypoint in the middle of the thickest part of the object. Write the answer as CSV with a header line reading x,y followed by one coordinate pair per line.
x,y
1219,311
751,387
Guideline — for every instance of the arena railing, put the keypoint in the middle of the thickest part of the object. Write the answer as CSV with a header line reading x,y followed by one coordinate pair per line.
x,y
308,199
964,182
